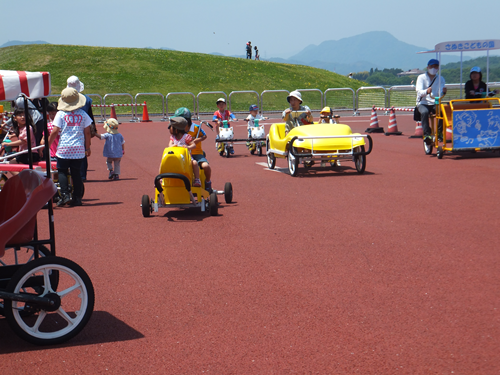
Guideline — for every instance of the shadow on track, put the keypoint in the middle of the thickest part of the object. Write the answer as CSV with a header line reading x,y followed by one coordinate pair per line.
x,y
102,328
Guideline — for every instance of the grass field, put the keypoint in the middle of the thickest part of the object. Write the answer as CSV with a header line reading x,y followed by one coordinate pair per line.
x,y
133,71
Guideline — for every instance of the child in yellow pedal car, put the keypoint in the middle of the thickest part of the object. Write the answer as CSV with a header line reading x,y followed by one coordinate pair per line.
x,y
197,153
295,100
179,137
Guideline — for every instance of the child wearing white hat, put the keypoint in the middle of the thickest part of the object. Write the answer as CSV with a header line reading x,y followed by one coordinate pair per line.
x,y
114,148
295,100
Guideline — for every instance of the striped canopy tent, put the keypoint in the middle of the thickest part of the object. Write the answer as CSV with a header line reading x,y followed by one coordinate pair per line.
x,y
32,84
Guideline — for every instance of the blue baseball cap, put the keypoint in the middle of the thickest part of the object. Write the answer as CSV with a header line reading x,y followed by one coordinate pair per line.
x,y
433,62
476,69
253,107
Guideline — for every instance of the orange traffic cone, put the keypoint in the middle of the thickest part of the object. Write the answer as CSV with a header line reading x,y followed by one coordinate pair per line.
x,y
392,129
145,114
113,112
374,128
419,131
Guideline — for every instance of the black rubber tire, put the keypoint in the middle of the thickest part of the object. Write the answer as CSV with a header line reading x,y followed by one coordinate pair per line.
x,y
440,152
259,149
227,150
213,204
293,164
271,158
5,261
428,148
77,302
146,206
360,161
228,192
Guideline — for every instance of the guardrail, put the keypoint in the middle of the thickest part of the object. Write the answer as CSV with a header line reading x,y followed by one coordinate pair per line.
x,y
259,100
366,98
342,100
339,99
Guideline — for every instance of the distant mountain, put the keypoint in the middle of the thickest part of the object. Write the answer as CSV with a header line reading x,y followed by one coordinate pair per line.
x,y
376,49
18,43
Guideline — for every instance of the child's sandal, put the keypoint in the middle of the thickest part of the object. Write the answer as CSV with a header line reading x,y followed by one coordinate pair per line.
x,y
197,182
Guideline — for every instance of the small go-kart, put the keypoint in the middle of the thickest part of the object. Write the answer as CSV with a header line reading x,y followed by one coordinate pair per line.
x,y
173,186
325,144
224,143
226,140
256,142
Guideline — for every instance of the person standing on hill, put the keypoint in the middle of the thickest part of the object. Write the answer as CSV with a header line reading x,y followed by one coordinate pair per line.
x,y
257,56
249,50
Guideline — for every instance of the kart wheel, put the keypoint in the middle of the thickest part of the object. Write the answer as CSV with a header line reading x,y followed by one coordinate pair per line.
x,y
252,151
293,164
73,299
259,149
360,161
228,151
213,204
271,160
440,152
146,206
228,192
428,148
220,148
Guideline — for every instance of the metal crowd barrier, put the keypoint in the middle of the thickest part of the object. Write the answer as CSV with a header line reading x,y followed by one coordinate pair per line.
x,y
132,104
165,114
366,98
259,100
339,99
164,118
342,101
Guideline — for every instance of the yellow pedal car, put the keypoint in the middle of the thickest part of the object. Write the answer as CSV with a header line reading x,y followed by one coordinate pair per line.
x,y
173,187
316,144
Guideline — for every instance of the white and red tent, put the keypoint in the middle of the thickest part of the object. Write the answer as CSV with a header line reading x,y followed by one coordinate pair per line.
x,y
32,84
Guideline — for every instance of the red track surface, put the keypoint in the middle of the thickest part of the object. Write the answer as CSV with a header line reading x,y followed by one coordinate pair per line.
x,y
390,272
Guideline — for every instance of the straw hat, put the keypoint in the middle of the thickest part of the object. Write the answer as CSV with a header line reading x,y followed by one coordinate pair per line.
x,y
111,126
70,100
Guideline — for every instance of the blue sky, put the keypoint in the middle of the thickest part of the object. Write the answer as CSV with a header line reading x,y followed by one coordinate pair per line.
x,y
278,28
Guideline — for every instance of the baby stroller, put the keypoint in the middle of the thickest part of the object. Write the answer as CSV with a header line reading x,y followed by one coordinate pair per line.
x,y
46,299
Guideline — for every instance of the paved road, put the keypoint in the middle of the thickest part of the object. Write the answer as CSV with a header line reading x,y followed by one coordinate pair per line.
x,y
393,271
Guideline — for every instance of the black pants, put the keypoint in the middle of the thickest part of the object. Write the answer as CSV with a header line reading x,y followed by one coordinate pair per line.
x,y
74,166
425,111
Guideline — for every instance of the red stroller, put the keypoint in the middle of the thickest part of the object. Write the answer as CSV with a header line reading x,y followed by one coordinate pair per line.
x,y
46,299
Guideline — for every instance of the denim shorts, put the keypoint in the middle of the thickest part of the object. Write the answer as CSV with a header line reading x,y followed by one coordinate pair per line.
x,y
200,158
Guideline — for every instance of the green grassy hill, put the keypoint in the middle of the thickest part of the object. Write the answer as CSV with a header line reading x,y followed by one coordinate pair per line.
x,y
132,70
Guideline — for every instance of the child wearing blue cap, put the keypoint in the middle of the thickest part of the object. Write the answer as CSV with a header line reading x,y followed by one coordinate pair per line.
x,y
254,115
475,88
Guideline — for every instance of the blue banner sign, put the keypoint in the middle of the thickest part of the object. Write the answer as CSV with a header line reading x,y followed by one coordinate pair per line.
x,y
478,128
468,45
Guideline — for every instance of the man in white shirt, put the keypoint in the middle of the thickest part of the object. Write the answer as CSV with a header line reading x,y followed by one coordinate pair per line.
x,y
429,86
